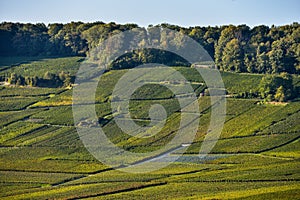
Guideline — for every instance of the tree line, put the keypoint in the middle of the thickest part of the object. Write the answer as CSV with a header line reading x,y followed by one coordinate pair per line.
x,y
277,87
61,79
261,49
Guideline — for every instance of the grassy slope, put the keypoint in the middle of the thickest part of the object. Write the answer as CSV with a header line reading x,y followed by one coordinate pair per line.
x,y
42,157
40,66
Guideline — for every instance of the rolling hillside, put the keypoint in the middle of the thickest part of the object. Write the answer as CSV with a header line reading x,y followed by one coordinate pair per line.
x,y
42,157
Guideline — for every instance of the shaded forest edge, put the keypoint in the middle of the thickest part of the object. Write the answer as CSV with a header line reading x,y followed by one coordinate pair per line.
x,y
260,49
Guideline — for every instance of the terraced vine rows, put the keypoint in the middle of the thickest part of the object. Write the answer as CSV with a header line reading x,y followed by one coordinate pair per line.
x,y
41,155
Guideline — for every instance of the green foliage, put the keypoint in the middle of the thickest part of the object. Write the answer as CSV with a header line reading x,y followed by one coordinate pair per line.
x,y
260,49
49,80
279,88
280,96
232,56
139,57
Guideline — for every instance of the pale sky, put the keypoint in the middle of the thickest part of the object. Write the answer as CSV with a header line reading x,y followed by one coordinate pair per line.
x,y
184,13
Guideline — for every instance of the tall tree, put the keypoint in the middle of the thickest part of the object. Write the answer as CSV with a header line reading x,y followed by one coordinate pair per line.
x,y
232,58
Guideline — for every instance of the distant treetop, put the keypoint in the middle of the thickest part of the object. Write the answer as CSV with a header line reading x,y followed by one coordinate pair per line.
x,y
260,49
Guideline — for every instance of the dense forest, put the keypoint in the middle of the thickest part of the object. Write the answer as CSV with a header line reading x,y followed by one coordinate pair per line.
x,y
260,49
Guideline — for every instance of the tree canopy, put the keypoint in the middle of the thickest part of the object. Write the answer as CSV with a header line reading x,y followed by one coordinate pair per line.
x,y
260,49
276,87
